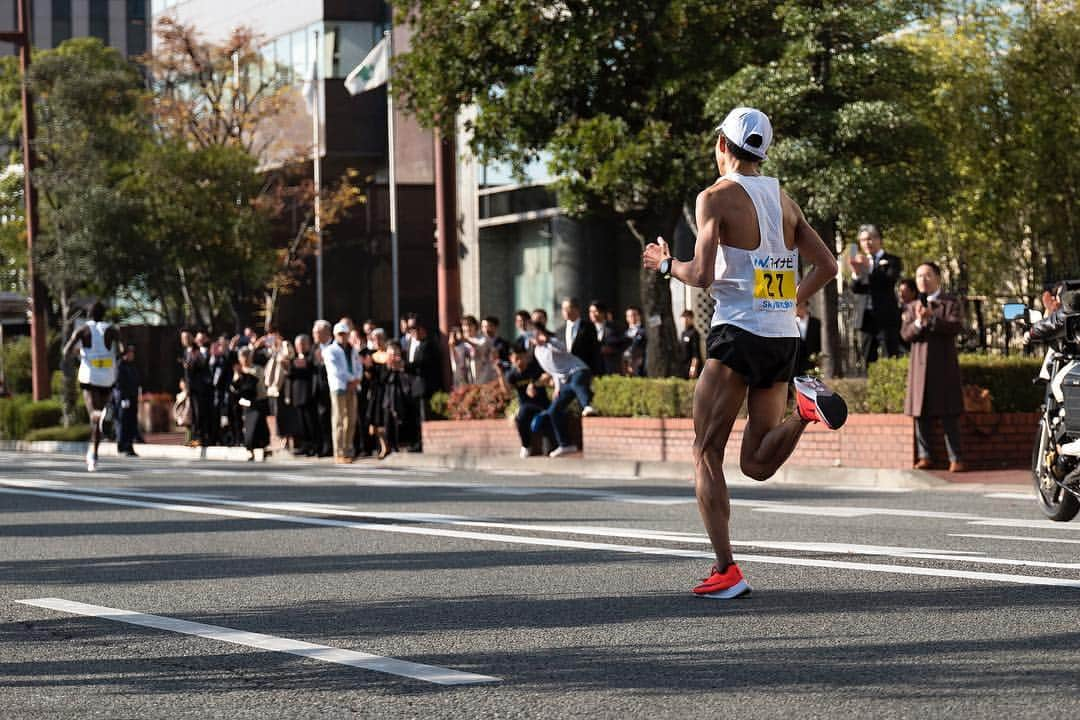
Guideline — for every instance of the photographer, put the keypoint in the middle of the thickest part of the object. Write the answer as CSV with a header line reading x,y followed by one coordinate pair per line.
x,y
930,324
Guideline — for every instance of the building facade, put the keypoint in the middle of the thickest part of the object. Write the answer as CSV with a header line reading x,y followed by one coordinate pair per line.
x,y
122,24
353,137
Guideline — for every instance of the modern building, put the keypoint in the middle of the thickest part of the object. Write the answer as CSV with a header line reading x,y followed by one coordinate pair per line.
x,y
122,24
357,260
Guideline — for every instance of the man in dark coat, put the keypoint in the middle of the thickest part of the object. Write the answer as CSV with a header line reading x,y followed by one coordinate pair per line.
x,y
300,394
934,389
578,335
126,402
609,340
877,312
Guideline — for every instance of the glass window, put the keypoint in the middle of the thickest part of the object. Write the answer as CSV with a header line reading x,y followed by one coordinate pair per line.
x,y
299,61
99,19
61,21
137,27
282,55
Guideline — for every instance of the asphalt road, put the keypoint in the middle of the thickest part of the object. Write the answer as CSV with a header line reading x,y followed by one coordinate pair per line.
x,y
294,590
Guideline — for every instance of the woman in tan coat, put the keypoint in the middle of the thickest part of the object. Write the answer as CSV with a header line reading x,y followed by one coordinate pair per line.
x,y
934,389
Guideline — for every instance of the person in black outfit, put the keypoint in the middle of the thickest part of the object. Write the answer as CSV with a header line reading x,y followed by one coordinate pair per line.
x,y
197,377
523,378
396,413
247,383
126,401
220,367
364,438
609,340
323,443
689,347
299,395
579,335
810,334
424,361
878,315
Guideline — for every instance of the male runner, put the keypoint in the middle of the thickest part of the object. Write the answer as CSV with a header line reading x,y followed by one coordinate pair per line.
x,y
97,343
750,235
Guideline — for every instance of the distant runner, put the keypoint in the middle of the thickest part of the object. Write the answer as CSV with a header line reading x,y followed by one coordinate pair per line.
x,y
752,346
98,344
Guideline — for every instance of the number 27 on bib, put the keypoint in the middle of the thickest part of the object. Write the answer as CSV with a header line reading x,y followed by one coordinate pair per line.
x,y
774,284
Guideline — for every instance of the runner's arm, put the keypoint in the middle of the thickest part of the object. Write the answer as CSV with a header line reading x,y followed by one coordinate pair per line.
x,y
698,271
69,347
813,249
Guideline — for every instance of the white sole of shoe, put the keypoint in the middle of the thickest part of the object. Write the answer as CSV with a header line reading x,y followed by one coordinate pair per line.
x,y
739,588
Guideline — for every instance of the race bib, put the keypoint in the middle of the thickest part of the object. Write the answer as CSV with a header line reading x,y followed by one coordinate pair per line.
x,y
102,363
774,284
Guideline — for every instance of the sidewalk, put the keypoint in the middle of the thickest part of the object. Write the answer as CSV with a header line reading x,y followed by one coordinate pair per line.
x,y
677,472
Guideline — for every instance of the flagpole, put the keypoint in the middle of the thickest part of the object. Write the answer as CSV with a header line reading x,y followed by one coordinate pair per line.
x,y
395,292
317,176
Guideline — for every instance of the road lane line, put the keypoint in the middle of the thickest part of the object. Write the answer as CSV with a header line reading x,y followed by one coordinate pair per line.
x,y
270,643
553,542
1011,496
1019,538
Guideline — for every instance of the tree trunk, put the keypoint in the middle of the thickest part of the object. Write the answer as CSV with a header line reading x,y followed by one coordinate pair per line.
x,y
827,307
660,350
67,385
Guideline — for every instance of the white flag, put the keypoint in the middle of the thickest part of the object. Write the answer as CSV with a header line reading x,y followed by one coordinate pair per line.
x,y
310,90
372,72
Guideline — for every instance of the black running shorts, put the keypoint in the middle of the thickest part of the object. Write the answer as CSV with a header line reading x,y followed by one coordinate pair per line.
x,y
762,361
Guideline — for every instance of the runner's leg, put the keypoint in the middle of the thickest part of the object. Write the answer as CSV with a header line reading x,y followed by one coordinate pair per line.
x,y
717,398
768,439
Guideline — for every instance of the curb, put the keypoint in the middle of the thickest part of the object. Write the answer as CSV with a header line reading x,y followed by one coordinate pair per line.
x,y
616,469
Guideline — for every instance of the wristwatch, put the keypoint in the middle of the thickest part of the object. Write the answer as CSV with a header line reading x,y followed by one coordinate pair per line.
x,y
665,268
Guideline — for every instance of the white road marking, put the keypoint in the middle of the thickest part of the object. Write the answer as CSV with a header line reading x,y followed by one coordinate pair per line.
x,y
869,489
552,542
1011,496
1019,523
1018,538
84,474
271,643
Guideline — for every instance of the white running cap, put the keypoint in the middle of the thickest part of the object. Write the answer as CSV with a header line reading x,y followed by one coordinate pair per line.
x,y
749,129
341,329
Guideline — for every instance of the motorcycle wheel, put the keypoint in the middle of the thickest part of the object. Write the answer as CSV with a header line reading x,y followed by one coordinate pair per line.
x,y
1056,502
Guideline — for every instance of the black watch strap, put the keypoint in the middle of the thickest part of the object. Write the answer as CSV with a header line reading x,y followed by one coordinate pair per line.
x,y
665,268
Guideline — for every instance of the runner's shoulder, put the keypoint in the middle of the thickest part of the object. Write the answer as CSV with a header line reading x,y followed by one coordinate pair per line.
x,y
718,194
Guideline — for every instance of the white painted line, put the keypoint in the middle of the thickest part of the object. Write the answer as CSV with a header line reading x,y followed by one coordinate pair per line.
x,y
552,542
869,489
271,643
1017,523
1011,496
516,473
1018,538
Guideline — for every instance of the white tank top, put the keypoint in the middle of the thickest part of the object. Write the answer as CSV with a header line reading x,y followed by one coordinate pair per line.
x,y
755,289
97,363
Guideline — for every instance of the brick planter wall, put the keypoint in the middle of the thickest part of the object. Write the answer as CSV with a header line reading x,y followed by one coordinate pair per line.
x,y
875,441
991,440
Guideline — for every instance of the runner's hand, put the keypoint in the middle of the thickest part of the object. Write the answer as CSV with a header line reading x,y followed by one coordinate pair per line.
x,y
654,254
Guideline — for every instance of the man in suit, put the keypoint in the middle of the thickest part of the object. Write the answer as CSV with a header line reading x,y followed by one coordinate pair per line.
x,y
424,361
578,336
931,324
635,343
126,402
610,342
689,347
878,314
810,334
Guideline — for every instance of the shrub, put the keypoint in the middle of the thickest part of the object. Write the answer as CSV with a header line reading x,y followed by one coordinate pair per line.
x,y
1007,378
477,402
10,408
854,391
42,414
438,406
75,433
619,396
16,362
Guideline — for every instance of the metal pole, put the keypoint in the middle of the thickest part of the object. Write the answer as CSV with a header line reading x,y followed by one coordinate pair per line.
x,y
316,116
38,312
392,180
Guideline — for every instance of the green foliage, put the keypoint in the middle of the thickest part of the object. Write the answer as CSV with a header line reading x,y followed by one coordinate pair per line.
x,y
12,233
854,392
15,354
849,147
1009,380
618,396
59,433
439,406
19,415
10,415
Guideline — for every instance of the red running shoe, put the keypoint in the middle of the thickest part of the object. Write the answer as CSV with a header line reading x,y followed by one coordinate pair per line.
x,y
817,403
723,585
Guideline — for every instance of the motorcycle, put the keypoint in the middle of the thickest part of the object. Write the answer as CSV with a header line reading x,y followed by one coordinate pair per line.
x,y
1055,460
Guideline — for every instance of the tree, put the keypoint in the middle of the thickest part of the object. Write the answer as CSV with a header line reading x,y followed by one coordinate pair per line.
x,y
12,233
850,147
614,90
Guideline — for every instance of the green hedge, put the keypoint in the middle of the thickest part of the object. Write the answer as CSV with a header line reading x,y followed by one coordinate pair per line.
x,y
438,405
1009,380
75,433
19,415
618,396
